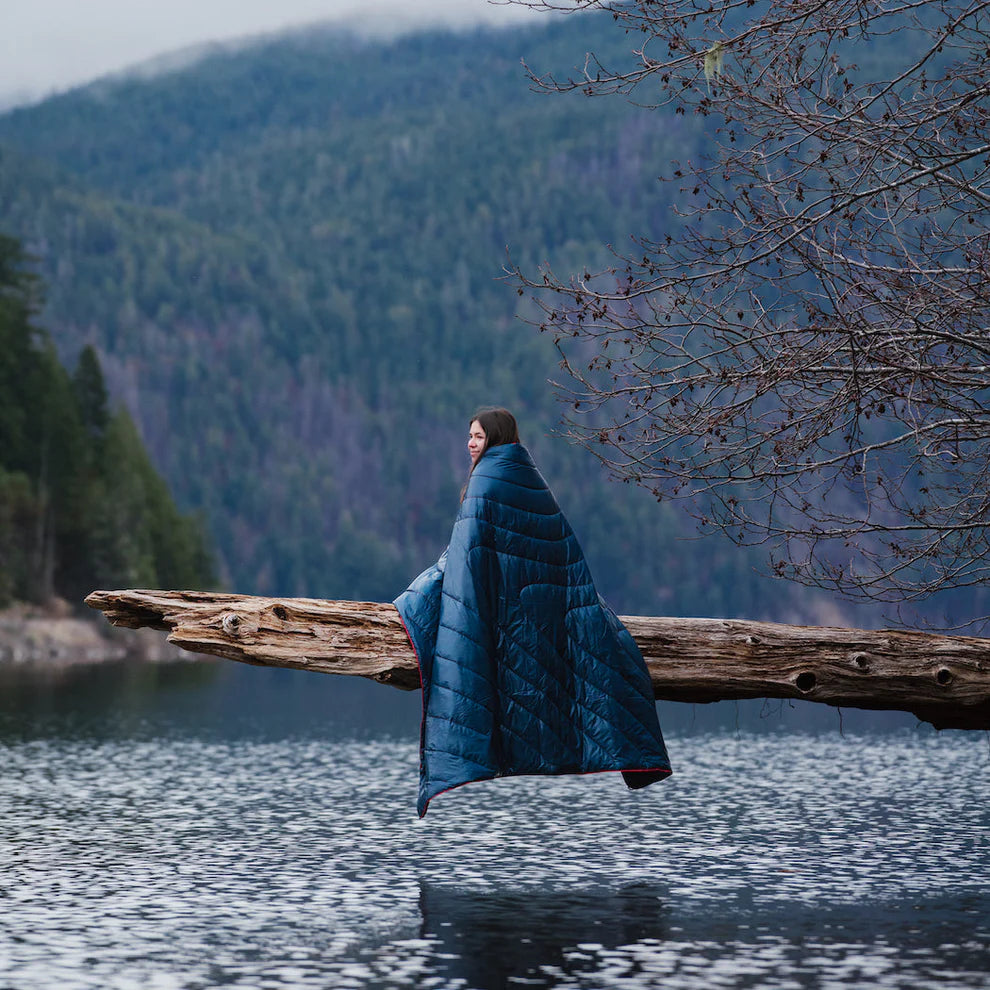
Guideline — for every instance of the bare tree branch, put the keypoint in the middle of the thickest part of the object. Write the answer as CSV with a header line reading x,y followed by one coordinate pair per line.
x,y
803,354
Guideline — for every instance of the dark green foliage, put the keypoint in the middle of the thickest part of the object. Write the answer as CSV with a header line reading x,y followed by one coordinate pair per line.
x,y
16,346
80,504
18,512
91,394
290,258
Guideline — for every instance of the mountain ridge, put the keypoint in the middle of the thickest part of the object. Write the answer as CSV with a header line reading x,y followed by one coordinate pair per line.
x,y
291,271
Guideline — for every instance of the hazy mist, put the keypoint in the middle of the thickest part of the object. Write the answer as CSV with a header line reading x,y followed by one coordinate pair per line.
x,y
51,45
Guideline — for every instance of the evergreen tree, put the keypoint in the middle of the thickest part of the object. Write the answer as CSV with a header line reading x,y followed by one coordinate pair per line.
x,y
81,504
91,394
17,305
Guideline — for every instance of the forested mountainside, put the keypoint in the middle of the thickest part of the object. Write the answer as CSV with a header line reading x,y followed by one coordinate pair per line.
x,y
288,259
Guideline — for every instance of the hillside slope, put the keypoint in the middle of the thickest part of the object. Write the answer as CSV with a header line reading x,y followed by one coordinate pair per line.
x,y
289,259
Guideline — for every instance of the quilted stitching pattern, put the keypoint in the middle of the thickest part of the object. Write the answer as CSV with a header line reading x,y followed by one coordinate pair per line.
x,y
525,669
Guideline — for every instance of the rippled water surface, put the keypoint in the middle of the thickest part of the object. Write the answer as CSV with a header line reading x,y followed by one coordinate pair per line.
x,y
182,859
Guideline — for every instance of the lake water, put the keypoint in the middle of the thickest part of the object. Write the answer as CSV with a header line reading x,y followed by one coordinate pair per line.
x,y
217,826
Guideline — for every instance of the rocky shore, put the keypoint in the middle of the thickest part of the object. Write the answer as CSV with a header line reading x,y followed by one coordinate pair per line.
x,y
52,636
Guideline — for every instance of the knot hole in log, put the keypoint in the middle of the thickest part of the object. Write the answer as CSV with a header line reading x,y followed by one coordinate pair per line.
x,y
280,612
805,681
943,675
231,623
860,661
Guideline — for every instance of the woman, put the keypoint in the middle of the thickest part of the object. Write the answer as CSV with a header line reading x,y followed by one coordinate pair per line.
x,y
524,668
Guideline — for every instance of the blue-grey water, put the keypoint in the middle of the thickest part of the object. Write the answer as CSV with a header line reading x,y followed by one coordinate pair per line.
x,y
218,826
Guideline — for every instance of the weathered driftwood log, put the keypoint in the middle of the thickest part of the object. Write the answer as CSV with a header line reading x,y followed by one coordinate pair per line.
x,y
944,680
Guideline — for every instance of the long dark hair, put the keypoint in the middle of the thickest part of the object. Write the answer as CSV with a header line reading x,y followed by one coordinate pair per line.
x,y
500,428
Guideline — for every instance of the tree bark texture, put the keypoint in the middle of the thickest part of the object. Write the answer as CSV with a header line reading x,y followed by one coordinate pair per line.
x,y
944,680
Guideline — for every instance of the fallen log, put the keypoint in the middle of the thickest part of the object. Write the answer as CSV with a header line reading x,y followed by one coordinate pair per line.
x,y
944,680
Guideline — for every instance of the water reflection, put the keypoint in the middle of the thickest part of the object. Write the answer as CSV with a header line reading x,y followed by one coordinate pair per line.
x,y
220,700
624,939
490,940
223,699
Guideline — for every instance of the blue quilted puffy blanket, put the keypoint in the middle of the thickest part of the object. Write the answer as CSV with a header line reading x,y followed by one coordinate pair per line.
x,y
525,669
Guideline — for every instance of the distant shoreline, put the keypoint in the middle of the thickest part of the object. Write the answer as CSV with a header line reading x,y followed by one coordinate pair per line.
x,y
37,636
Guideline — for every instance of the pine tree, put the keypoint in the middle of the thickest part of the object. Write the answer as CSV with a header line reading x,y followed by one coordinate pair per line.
x,y
81,504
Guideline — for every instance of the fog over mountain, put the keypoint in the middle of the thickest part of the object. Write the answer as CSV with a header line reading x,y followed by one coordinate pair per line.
x,y
50,45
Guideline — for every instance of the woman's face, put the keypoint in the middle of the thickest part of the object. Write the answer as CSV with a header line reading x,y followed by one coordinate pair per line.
x,y
476,442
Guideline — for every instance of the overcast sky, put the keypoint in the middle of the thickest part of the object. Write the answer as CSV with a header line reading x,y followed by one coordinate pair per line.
x,y
47,45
